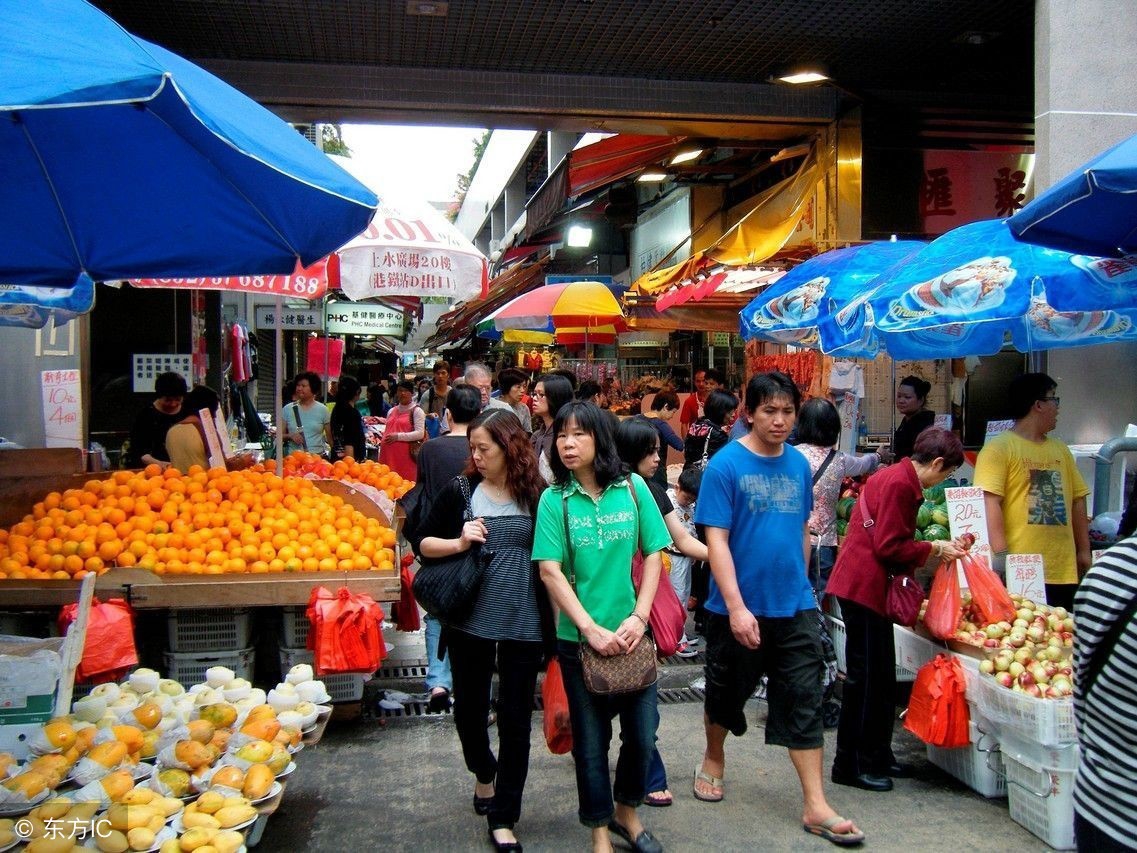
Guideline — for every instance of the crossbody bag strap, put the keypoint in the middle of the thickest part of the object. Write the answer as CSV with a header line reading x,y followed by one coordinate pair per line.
x,y
1093,667
824,465
568,556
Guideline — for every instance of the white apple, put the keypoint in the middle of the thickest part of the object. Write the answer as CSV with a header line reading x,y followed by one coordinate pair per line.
x,y
1004,679
985,666
1016,669
1036,633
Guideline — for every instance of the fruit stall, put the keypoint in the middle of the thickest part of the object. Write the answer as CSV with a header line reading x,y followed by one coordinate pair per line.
x,y
218,554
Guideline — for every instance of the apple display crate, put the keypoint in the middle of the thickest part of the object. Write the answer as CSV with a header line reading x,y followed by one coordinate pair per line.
x,y
213,629
345,687
1045,721
1040,796
188,668
837,632
295,628
979,765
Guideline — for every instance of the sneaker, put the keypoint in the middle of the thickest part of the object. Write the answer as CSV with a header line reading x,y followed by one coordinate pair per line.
x,y
390,705
694,641
685,651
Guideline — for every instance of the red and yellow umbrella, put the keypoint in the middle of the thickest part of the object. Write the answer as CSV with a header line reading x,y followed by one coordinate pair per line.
x,y
579,304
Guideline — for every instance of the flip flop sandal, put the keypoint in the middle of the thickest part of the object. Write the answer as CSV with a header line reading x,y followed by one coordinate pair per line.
x,y
658,799
712,781
825,830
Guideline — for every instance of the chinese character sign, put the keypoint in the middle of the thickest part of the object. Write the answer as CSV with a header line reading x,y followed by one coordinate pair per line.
x,y
967,514
1025,577
62,408
958,187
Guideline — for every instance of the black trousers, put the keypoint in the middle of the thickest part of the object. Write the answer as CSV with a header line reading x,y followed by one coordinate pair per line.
x,y
864,733
472,662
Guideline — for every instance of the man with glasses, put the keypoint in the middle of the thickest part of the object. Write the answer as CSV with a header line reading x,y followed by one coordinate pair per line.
x,y
477,375
1034,495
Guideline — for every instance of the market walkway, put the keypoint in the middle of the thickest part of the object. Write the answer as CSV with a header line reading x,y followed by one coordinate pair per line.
x,y
402,787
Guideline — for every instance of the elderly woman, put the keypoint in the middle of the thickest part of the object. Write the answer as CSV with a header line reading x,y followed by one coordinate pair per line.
x,y
878,543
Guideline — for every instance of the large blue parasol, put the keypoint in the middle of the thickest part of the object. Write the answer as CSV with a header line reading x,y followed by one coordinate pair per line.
x,y
121,160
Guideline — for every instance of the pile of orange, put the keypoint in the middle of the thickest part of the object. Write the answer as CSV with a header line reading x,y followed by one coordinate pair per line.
x,y
205,522
299,464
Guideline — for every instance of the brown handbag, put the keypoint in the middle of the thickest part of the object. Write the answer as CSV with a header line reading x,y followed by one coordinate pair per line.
x,y
904,595
611,675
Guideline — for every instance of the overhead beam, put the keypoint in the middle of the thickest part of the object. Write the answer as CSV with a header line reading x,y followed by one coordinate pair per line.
x,y
326,92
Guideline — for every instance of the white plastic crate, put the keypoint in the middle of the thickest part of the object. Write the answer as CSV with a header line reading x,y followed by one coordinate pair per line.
x,y
346,687
212,629
1041,798
1045,721
978,765
837,632
295,628
188,668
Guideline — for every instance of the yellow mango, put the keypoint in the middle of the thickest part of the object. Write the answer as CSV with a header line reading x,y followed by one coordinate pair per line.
x,y
232,815
209,802
111,841
138,796
227,841
140,838
50,845
195,838
199,820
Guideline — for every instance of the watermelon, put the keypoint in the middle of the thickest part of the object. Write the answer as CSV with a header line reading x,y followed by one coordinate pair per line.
x,y
845,507
935,494
842,526
936,531
940,516
924,514
918,535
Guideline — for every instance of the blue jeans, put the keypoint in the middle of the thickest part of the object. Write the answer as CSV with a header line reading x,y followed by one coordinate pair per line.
x,y
656,772
437,671
822,558
592,735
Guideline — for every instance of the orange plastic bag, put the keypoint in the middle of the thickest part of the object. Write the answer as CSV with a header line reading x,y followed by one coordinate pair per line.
x,y
406,611
944,602
558,729
109,651
988,594
937,710
346,633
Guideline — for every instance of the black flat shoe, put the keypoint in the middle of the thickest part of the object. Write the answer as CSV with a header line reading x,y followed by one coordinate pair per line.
x,y
439,702
645,842
900,770
864,781
511,846
482,805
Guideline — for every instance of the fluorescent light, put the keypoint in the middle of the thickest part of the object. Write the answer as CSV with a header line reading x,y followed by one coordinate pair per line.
x,y
579,236
647,177
804,76
686,156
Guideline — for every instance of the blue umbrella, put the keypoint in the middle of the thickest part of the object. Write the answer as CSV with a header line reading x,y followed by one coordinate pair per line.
x,y
801,307
975,289
34,307
1091,211
122,160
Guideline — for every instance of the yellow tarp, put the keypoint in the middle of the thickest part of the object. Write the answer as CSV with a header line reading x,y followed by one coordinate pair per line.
x,y
757,236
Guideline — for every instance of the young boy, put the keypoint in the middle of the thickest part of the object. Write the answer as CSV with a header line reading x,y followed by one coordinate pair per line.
x,y
683,498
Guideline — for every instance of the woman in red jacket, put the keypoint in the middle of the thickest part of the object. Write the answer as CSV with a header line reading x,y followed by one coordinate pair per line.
x,y
878,543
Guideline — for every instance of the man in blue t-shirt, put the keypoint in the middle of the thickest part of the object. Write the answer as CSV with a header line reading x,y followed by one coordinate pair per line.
x,y
755,501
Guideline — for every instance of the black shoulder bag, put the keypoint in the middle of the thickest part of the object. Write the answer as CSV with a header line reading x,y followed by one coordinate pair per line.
x,y
447,587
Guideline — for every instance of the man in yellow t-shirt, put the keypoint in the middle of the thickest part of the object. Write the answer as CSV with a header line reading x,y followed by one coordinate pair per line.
x,y
1034,496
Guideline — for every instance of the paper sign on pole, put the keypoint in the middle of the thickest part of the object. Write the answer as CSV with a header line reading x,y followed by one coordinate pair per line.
x,y
996,427
62,415
967,514
212,439
942,422
1025,577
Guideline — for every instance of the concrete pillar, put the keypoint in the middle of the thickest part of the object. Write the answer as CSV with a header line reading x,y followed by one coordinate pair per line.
x,y
1085,102
560,143
514,199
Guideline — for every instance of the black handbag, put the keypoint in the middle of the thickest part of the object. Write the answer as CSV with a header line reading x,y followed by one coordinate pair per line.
x,y
447,587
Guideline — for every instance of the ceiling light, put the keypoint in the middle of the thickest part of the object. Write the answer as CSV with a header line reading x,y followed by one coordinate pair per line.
x,y
579,236
802,75
686,156
650,177
427,8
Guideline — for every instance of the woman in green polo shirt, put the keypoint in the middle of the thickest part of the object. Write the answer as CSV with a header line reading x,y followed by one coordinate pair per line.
x,y
606,523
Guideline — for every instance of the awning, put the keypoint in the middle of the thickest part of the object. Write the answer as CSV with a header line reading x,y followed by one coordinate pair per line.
x,y
613,158
724,281
757,237
460,322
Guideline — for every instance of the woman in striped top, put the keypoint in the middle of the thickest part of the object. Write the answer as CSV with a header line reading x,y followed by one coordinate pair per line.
x,y
510,620
1105,791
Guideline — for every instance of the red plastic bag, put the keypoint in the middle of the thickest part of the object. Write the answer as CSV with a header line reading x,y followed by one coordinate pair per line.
x,y
988,594
944,602
937,710
346,632
406,611
109,651
558,730
667,614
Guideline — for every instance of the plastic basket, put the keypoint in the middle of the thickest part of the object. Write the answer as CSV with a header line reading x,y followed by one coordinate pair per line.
x,y
188,668
1045,721
346,687
215,629
1041,799
838,633
295,628
978,765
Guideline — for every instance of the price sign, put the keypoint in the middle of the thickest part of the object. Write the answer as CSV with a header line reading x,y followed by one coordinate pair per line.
x,y
967,514
62,412
1025,576
943,422
996,427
